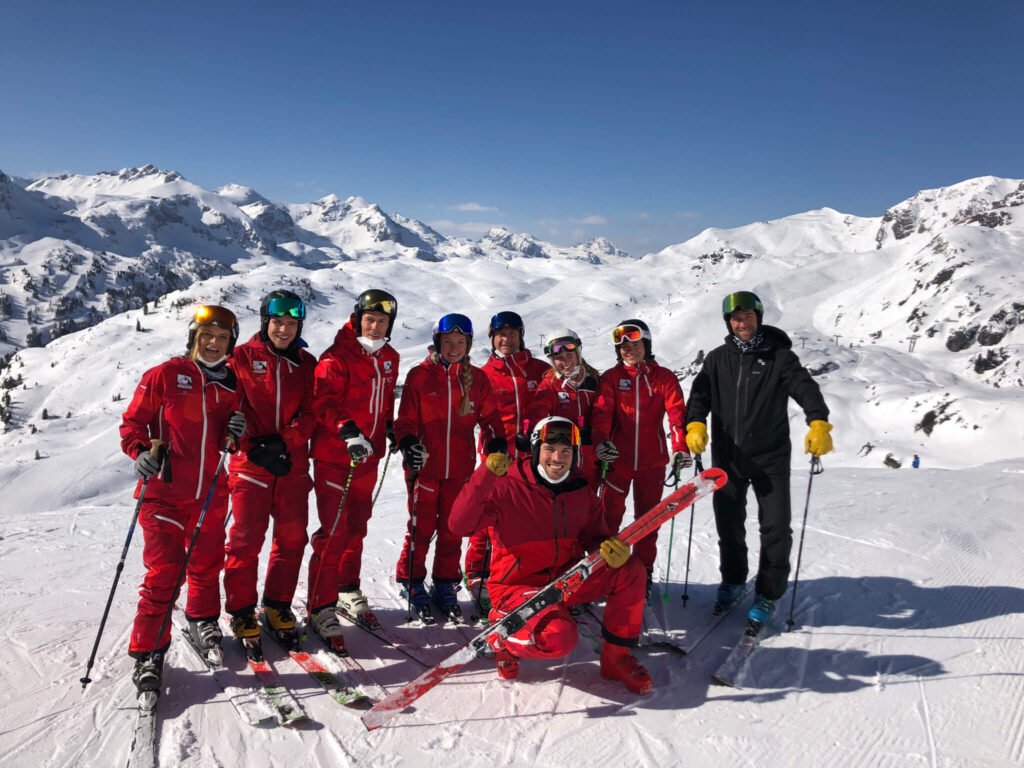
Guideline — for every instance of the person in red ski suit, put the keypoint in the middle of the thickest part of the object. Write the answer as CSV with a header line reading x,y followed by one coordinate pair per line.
x,y
190,404
444,398
270,476
568,389
629,434
354,401
543,517
514,375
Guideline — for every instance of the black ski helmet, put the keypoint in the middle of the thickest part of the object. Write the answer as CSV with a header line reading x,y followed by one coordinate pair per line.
x,y
507,319
281,303
213,314
450,323
742,300
555,429
645,335
375,300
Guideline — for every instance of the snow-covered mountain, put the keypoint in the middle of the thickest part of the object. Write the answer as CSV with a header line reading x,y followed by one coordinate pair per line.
x,y
911,320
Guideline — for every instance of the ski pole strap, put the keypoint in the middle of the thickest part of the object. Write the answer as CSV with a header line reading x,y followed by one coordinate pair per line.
x,y
698,464
816,466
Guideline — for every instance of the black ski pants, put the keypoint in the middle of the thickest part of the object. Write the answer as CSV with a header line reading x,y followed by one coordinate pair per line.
x,y
771,490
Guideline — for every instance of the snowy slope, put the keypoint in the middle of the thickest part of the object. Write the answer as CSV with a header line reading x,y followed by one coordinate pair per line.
x,y
909,612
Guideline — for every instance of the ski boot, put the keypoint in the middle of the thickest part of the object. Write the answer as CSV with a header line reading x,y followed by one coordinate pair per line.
x,y
617,663
147,678
420,601
760,613
352,604
246,630
281,622
444,593
477,588
325,623
727,596
506,663
206,636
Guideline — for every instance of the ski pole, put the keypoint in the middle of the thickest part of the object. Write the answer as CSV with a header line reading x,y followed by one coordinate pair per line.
x,y
330,535
191,545
698,467
816,469
604,475
413,493
155,450
383,474
674,477
480,585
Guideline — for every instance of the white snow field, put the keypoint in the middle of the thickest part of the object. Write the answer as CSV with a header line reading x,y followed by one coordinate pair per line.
x,y
907,646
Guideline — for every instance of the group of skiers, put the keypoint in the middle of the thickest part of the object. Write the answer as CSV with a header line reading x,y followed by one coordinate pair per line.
x,y
531,462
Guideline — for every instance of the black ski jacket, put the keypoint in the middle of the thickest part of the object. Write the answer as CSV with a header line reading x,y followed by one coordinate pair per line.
x,y
748,395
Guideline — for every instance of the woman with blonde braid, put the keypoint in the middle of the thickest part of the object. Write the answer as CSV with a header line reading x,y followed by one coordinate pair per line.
x,y
444,398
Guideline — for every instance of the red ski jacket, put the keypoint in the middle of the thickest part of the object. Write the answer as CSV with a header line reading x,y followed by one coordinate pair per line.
x,y
277,398
514,380
179,404
537,530
555,397
353,384
429,411
630,411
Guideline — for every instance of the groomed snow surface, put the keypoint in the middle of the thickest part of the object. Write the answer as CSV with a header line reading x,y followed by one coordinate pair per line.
x,y
906,650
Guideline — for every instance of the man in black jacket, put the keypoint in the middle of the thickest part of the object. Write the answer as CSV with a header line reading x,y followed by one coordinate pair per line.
x,y
746,384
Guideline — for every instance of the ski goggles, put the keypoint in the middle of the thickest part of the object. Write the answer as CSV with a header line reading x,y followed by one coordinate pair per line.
x,y
212,314
626,333
378,301
506,320
744,300
560,345
558,432
283,306
454,322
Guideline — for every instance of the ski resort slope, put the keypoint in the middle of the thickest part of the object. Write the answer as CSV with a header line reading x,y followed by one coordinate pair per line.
x,y
906,648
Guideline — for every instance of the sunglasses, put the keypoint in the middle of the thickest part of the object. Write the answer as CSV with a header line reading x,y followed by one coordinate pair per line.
x,y
211,314
455,322
626,333
285,307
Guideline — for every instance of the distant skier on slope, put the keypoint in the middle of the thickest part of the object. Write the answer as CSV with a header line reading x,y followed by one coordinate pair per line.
x,y
270,475
543,517
444,399
745,384
191,404
628,431
354,401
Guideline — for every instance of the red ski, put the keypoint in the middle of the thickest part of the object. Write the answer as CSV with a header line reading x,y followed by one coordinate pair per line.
x,y
702,485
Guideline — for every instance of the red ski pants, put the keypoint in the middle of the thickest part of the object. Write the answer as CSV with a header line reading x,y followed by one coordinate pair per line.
x,y
167,528
339,556
552,633
429,507
256,497
648,486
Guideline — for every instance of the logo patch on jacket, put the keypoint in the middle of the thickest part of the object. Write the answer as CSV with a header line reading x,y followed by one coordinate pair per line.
x,y
184,381
259,366
563,397
758,369
625,385
531,385
387,366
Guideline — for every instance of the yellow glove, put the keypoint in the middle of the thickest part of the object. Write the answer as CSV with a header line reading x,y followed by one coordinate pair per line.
x,y
498,463
614,552
818,441
696,437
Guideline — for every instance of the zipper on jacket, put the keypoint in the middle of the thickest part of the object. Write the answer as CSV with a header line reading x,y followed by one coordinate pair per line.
x,y
448,434
277,397
636,422
739,399
202,444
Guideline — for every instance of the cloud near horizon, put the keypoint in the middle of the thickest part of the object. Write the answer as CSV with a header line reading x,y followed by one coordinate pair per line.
x,y
462,229
473,208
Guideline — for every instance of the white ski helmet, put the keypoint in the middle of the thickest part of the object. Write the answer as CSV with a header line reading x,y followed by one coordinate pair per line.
x,y
562,338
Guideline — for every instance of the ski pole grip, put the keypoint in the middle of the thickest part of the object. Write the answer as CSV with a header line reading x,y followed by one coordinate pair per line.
x,y
154,447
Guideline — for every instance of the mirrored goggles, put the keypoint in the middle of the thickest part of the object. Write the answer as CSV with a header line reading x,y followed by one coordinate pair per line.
x,y
212,314
455,322
559,345
506,320
741,300
560,433
285,307
629,333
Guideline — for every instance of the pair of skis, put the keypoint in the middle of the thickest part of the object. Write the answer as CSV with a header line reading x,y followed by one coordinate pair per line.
x,y
702,485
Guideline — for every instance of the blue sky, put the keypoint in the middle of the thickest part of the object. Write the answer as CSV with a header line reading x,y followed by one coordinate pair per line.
x,y
645,122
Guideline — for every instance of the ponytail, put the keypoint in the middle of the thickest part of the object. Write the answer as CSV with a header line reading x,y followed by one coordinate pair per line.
x,y
466,407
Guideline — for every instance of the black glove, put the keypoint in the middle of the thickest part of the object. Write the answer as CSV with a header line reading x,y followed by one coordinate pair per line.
x,y
414,453
496,445
146,465
271,453
236,424
681,461
392,442
523,442
359,448
607,451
